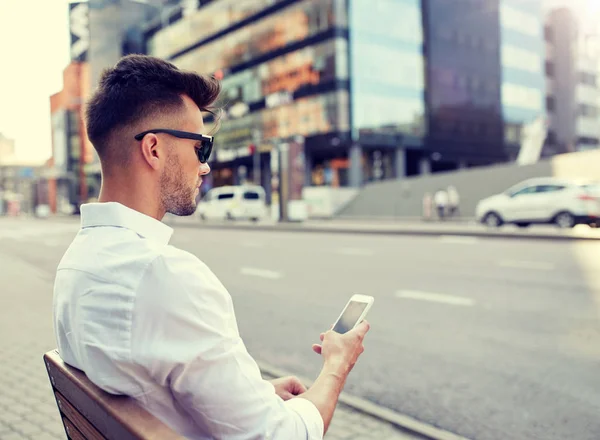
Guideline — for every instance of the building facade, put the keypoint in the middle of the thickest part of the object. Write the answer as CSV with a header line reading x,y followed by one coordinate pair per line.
x,y
573,90
523,86
68,183
7,149
367,98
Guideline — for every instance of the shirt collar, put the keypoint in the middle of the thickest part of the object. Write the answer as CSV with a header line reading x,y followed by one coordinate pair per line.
x,y
116,214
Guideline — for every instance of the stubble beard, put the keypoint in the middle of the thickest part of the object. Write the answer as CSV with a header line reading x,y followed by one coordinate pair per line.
x,y
177,197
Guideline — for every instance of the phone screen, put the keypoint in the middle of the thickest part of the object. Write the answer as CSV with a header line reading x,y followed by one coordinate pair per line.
x,y
350,316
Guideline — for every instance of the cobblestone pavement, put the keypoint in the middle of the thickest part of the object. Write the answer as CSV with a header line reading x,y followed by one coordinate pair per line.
x,y
28,257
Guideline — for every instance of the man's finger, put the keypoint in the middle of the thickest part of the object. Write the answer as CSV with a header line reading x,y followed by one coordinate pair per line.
x,y
317,348
362,328
298,388
287,395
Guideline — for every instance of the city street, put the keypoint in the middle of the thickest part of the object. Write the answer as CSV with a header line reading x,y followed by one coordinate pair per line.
x,y
488,338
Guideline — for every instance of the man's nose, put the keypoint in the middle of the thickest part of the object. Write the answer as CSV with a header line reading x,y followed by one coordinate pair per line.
x,y
204,169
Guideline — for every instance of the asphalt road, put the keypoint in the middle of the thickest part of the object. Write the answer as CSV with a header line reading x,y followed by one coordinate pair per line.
x,y
487,338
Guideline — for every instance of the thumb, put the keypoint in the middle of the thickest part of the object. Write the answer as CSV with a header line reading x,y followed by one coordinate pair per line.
x,y
362,328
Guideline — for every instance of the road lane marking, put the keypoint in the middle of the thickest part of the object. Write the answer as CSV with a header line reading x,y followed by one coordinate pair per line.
x,y
50,242
357,252
435,297
261,273
457,239
252,244
533,265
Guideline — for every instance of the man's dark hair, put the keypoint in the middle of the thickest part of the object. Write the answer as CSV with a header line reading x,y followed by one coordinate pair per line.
x,y
138,87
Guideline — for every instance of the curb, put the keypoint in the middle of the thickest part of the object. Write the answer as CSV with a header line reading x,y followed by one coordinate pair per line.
x,y
400,421
388,231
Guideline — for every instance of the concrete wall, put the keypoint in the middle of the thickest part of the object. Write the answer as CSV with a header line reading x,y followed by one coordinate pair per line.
x,y
404,198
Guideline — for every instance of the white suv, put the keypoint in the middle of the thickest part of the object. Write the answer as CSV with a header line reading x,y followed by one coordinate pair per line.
x,y
245,202
543,200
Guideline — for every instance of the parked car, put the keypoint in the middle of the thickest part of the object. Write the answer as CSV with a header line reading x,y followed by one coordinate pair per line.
x,y
542,201
247,202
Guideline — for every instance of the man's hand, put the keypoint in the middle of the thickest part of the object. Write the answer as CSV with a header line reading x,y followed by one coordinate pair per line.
x,y
288,387
343,349
340,352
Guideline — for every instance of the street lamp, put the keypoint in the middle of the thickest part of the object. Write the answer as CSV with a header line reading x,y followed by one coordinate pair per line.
x,y
256,156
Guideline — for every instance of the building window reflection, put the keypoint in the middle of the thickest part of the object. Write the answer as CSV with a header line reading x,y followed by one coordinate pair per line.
x,y
388,77
295,23
311,66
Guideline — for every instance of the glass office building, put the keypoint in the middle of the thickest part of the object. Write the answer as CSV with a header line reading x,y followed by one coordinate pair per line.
x,y
522,48
311,68
463,84
284,71
387,86
375,89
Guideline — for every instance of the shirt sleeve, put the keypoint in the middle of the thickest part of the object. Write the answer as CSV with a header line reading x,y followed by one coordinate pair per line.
x,y
186,338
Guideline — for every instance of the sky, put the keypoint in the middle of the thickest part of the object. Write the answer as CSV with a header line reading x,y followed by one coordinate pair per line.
x,y
34,50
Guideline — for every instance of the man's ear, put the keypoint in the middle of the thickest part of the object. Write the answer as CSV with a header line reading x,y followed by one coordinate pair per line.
x,y
152,150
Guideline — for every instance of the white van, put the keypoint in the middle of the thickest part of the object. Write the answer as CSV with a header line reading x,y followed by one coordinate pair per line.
x,y
246,202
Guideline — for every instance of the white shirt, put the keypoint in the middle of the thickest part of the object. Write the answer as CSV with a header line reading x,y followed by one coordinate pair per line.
x,y
441,198
145,319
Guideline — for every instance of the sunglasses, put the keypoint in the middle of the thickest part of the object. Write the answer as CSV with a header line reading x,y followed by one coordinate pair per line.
x,y
206,142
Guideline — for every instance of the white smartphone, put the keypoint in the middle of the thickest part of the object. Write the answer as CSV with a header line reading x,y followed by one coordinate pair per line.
x,y
354,312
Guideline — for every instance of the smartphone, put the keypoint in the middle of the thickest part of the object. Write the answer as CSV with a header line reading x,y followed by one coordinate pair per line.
x,y
354,312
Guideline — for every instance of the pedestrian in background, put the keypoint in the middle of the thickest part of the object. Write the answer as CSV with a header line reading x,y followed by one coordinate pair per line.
x,y
453,201
427,206
441,203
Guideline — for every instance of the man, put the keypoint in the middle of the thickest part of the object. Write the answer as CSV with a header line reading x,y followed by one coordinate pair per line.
x,y
441,201
453,201
145,319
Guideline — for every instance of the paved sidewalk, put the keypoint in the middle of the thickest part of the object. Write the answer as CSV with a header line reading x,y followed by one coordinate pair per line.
x,y
399,227
27,407
446,229
349,423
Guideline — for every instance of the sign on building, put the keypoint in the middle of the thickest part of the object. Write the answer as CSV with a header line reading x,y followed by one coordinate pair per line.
x,y
80,30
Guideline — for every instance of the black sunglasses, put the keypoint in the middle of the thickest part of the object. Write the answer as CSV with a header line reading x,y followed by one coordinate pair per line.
x,y
206,141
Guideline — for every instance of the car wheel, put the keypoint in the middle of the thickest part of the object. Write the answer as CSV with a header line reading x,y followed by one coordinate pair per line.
x,y
523,224
254,219
202,217
492,220
564,220
229,217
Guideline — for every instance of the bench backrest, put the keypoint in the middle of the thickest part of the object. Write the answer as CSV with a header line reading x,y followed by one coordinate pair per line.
x,y
90,413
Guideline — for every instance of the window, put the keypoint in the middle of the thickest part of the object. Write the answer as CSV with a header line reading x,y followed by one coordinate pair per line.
x,y
514,95
587,111
585,140
251,195
307,16
276,31
524,191
520,21
548,34
550,103
225,196
588,79
522,59
549,69
549,188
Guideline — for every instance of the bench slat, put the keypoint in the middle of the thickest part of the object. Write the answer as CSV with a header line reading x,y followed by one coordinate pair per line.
x,y
75,417
114,417
72,431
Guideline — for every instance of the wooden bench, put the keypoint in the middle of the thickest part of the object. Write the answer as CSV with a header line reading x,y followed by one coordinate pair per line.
x,y
88,412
